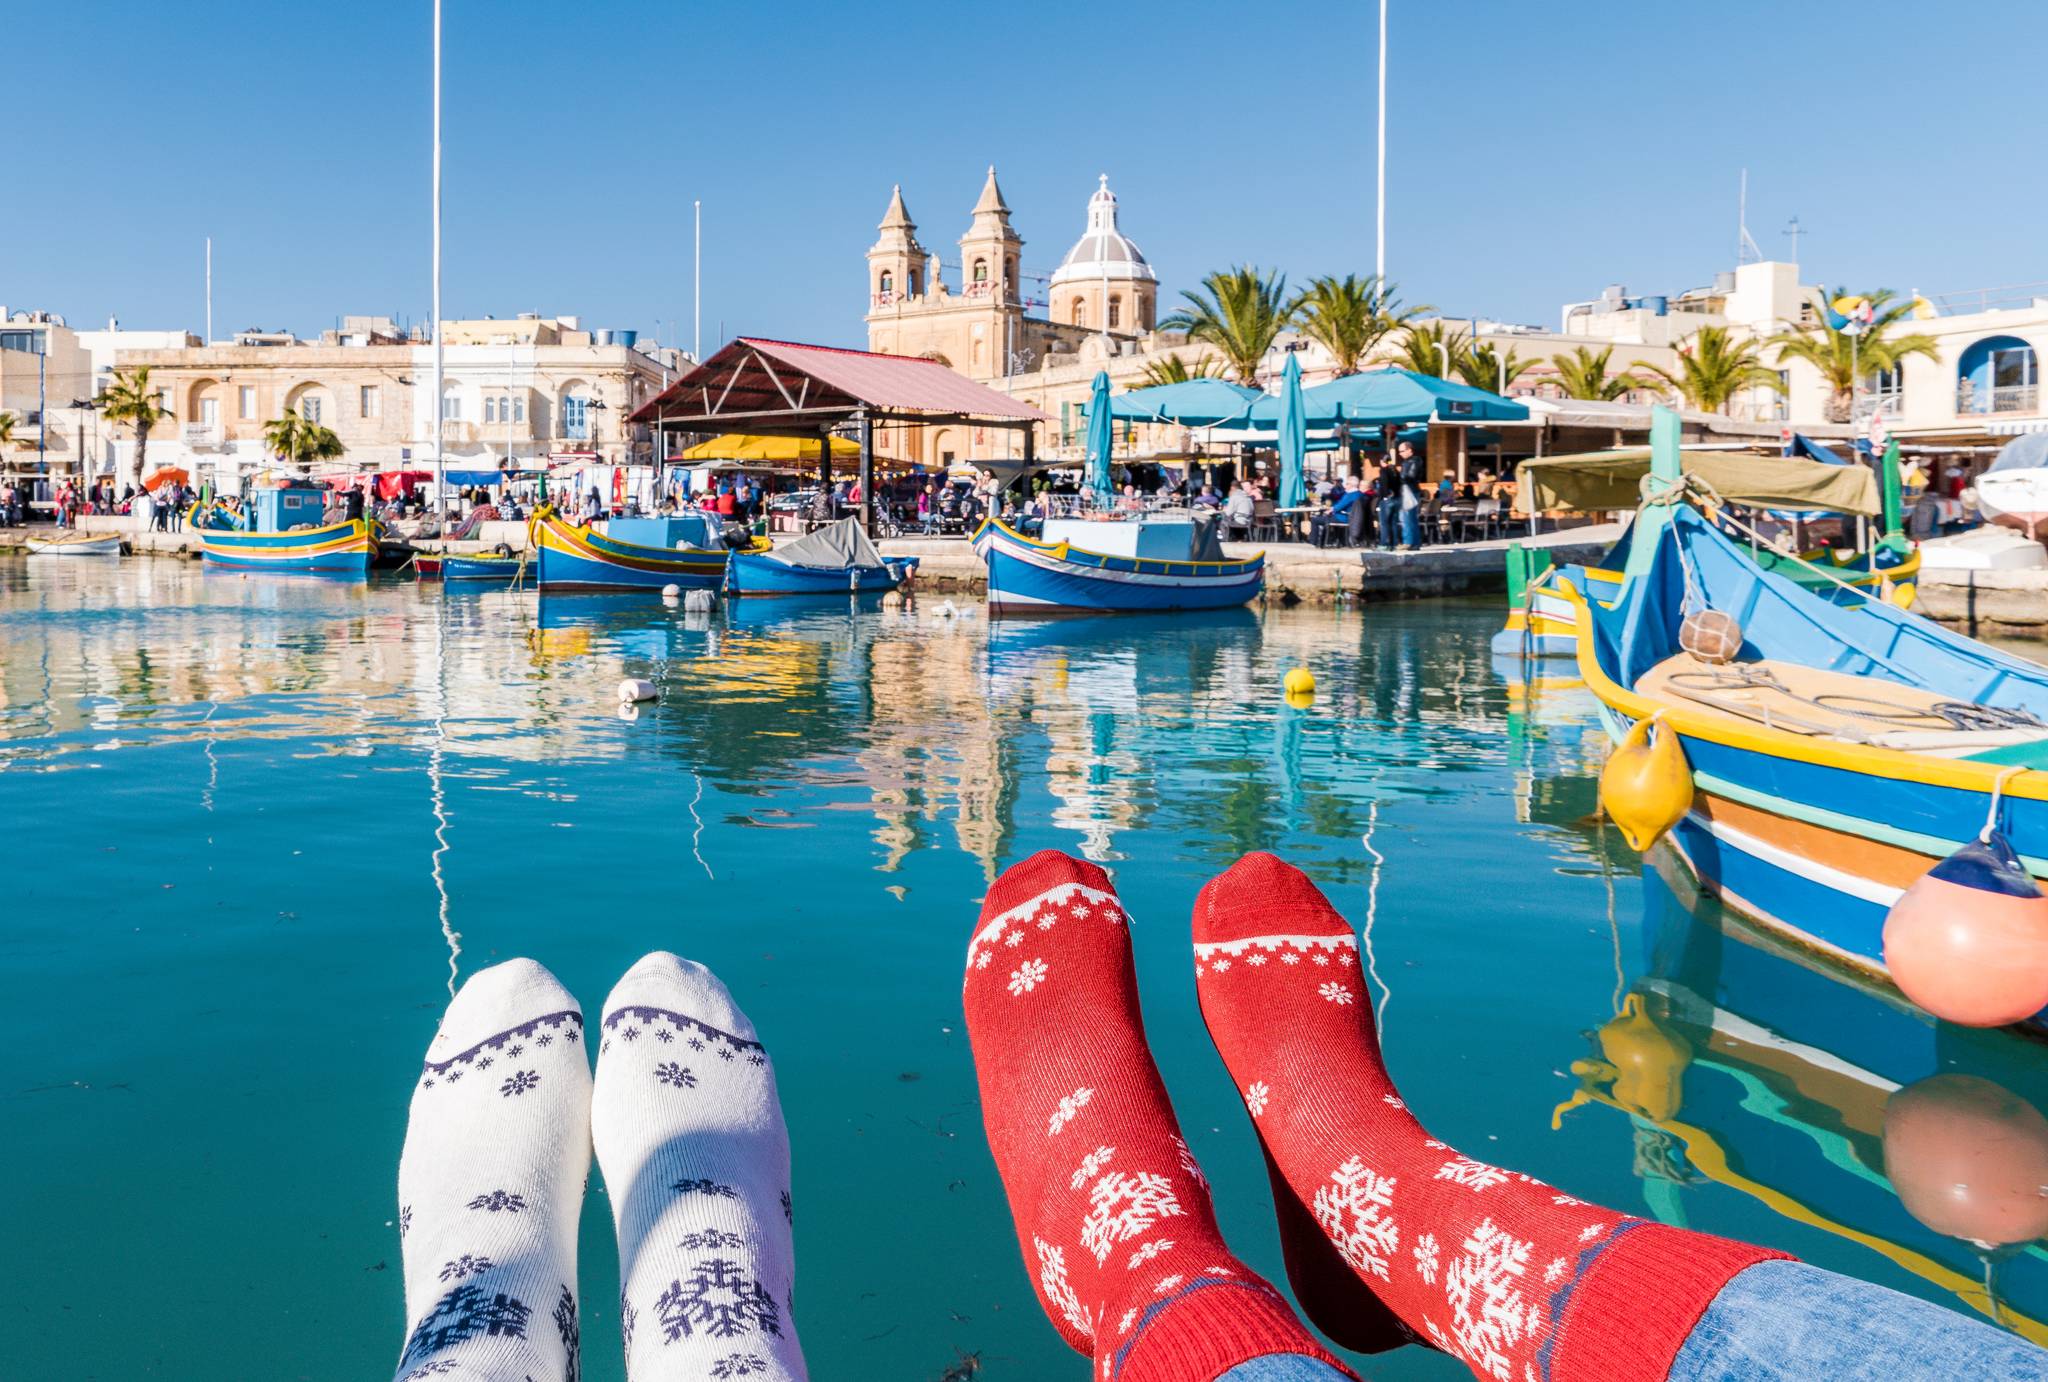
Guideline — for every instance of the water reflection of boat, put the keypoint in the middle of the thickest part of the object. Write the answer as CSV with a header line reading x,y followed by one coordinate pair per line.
x,y
1742,1063
1151,564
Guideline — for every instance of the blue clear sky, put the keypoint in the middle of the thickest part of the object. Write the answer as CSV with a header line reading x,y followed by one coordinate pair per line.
x,y
1537,152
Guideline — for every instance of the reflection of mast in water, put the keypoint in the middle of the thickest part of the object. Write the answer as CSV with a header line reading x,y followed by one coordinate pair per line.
x,y
697,834
1372,912
438,793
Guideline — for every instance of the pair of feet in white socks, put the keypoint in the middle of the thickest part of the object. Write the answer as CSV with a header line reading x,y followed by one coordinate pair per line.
x,y
686,1125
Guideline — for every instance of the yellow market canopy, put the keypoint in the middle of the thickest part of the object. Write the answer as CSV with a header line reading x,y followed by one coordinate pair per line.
x,y
1602,480
736,446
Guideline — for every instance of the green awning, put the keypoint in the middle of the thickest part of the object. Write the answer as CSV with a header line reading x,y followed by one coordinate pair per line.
x,y
1597,480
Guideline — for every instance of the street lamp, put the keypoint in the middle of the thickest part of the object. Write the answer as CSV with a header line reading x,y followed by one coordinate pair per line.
x,y
592,407
83,405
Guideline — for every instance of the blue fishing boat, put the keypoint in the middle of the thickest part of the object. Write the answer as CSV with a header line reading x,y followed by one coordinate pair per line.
x,y
483,566
282,529
1134,565
1835,752
837,559
645,553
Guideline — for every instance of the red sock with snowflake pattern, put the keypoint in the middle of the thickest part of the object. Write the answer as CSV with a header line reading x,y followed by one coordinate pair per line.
x,y
1112,1213
1520,1281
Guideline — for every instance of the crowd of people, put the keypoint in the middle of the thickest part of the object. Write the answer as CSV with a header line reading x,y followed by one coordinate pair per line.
x,y
161,510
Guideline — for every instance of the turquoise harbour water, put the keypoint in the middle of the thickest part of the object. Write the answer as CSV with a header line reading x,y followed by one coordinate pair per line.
x,y
255,824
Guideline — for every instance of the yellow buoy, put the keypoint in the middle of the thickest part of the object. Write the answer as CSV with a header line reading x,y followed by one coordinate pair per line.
x,y
1299,682
1646,785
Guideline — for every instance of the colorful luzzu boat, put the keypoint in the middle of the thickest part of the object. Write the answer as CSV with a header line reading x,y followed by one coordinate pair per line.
x,y
1136,565
837,559
287,535
575,556
1541,621
1839,754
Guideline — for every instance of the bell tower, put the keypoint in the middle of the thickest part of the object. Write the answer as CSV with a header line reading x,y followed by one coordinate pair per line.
x,y
896,261
991,249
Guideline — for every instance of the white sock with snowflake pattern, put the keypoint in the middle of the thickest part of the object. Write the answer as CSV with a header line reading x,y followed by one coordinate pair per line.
x,y
690,1137
490,1184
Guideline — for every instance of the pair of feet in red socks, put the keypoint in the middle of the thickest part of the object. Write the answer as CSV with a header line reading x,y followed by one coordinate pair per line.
x,y
1389,1236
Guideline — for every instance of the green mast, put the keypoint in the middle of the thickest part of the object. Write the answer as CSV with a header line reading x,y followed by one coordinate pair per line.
x,y
1888,477
1665,470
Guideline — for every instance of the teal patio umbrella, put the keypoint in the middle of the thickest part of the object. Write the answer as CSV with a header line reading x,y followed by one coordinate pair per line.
x,y
1095,480
1190,403
1293,436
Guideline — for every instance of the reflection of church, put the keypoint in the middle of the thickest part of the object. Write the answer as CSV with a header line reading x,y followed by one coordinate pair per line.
x,y
1100,309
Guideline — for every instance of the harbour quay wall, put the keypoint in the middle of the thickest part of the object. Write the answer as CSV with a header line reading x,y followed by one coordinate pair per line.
x,y
1297,573
1986,604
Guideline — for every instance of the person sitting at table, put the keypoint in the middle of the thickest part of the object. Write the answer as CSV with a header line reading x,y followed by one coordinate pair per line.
x,y
1239,511
1208,498
1445,486
1339,515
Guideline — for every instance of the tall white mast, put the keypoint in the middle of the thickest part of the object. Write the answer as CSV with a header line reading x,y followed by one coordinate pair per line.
x,y
209,290
1380,259
440,465
697,292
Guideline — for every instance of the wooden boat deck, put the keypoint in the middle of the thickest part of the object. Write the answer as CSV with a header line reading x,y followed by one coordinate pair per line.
x,y
1828,705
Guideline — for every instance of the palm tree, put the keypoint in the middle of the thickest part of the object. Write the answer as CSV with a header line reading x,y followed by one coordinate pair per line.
x,y
1174,370
1841,358
1348,316
1483,368
1241,314
130,400
1713,367
297,441
1583,374
1426,349
6,430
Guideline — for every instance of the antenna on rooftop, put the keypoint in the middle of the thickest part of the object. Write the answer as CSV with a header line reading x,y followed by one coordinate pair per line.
x,y
1795,231
1746,251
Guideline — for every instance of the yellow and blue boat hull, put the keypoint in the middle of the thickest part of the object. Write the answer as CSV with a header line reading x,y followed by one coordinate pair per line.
x,y
1815,838
577,557
347,547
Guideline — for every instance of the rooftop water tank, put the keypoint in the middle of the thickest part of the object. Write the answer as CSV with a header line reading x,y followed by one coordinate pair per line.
x,y
625,338
1658,305
601,337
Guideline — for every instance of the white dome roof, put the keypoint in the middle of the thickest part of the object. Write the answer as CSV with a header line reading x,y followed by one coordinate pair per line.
x,y
1103,251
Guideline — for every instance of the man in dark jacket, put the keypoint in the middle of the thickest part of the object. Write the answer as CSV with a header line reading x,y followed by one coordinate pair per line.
x,y
1409,496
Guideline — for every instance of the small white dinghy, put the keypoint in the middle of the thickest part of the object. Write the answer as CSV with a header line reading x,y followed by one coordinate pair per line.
x,y
76,545
1989,548
2014,489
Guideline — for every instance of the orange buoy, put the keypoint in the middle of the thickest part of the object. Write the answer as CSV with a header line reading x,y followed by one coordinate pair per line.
x,y
1646,785
1969,940
1969,1158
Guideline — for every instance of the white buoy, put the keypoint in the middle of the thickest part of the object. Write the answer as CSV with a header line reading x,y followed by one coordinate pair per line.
x,y
947,611
671,591
699,601
636,689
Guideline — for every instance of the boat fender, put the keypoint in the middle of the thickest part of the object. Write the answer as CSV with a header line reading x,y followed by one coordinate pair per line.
x,y
1647,784
893,600
1969,940
503,549
671,591
698,601
1711,636
1968,1158
636,689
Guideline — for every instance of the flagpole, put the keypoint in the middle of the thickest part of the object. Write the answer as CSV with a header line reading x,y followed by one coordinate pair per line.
x,y
440,464
1380,260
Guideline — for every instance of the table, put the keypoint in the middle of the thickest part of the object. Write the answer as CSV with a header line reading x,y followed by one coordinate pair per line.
x,y
1289,521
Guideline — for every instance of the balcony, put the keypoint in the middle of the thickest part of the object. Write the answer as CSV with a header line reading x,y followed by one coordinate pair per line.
x,y
1999,398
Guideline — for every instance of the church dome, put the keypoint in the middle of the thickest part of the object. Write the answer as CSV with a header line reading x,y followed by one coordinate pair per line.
x,y
1103,251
